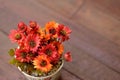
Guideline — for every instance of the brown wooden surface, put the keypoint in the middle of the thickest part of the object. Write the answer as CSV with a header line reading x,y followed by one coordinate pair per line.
x,y
94,43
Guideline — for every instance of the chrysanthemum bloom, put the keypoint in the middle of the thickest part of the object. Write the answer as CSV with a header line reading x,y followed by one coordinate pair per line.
x,y
22,55
16,36
68,57
51,52
51,27
63,32
22,27
42,63
32,42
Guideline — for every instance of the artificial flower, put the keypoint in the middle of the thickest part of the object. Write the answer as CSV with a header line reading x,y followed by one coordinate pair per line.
x,y
63,32
42,63
59,47
16,36
33,24
39,49
22,27
33,27
22,55
68,57
51,52
32,42
51,27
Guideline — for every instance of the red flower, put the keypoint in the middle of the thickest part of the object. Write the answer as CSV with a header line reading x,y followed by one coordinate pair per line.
x,y
32,42
33,28
51,52
39,47
22,55
54,57
68,57
16,36
22,27
63,32
33,24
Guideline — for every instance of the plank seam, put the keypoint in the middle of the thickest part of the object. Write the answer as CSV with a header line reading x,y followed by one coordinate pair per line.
x,y
73,74
77,10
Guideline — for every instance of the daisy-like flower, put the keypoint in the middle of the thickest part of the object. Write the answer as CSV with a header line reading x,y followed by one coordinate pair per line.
x,y
51,52
33,27
22,27
32,42
63,32
59,47
33,24
42,63
16,36
41,32
51,27
48,49
22,55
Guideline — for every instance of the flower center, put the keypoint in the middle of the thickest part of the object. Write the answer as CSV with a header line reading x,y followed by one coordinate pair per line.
x,y
52,31
18,36
32,43
48,52
33,24
62,32
43,63
23,54
22,28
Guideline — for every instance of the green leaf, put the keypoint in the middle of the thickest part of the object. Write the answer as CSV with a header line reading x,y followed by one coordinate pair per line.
x,y
11,52
13,61
39,72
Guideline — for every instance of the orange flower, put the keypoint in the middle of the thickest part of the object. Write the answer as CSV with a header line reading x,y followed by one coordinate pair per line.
x,y
59,47
41,32
42,63
51,27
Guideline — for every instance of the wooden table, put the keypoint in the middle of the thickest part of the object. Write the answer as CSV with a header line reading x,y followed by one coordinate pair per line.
x,y
94,43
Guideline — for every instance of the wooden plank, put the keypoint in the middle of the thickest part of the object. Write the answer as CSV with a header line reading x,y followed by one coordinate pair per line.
x,y
67,76
87,67
95,19
7,71
111,7
97,46
63,7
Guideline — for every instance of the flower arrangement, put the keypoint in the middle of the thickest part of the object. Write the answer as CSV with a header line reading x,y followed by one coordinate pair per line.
x,y
40,50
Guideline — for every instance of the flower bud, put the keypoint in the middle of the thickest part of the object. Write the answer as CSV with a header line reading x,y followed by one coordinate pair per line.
x,y
68,57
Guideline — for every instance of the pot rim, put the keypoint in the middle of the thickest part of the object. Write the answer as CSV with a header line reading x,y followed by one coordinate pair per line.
x,y
44,76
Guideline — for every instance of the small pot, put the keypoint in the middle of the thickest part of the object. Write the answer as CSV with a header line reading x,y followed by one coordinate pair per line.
x,y
54,76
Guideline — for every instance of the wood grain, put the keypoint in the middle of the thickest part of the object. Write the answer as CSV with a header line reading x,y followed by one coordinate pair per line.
x,y
95,52
62,7
110,7
93,18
